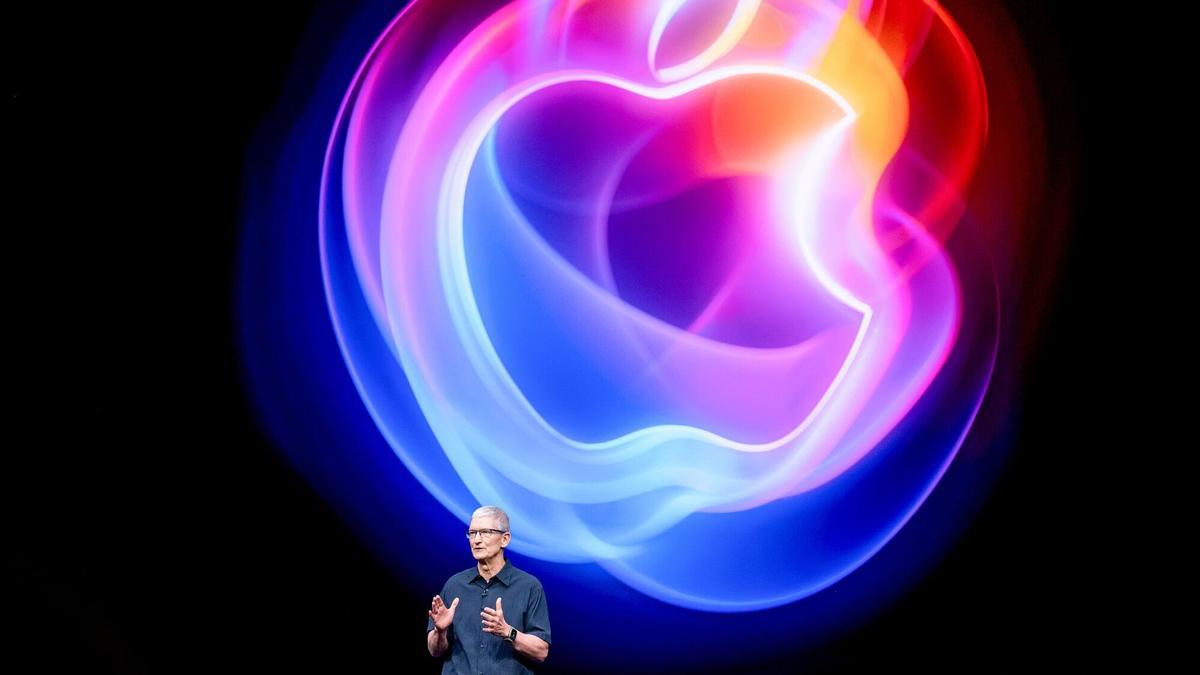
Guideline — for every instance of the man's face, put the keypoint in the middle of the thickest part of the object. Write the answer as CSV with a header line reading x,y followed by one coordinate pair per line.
x,y
487,545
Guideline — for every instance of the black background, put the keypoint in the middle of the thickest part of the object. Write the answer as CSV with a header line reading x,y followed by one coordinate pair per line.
x,y
153,528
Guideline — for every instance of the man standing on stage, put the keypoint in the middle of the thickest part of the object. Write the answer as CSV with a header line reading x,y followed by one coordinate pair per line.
x,y
512,631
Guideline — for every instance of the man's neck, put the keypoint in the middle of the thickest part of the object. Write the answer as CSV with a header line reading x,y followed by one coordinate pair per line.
x,y
491,567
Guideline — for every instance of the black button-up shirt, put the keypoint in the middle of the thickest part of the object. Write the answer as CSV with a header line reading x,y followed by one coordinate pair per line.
x,y
474,652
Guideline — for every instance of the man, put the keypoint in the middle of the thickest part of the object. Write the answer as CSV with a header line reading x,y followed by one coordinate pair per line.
x,y
497,621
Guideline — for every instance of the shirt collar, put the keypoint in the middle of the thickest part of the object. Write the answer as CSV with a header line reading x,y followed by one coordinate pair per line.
x,y
504,576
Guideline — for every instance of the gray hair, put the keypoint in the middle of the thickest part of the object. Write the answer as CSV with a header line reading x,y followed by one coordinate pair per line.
x,y
492,512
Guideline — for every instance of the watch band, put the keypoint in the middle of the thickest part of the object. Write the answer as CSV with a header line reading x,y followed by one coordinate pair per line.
x,y
512,635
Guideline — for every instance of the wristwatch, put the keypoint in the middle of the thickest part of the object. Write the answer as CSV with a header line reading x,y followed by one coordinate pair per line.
x,y
512,635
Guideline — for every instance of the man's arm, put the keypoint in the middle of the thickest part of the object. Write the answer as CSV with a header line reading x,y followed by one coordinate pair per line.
x,y
532,646
438,641
537,627
525,644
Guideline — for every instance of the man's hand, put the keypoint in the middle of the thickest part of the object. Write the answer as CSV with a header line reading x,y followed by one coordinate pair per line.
x,y
442,615
493,620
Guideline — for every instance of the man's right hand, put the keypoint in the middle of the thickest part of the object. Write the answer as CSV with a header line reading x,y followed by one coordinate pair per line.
x,y
442,615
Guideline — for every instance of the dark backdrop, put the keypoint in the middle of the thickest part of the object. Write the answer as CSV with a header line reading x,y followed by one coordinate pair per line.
x,y
154,529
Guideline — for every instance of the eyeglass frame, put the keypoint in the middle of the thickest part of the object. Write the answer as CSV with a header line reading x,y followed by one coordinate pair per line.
x,y
490,531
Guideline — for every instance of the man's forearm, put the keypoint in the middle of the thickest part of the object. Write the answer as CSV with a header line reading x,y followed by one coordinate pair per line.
x,y
532,646
438,642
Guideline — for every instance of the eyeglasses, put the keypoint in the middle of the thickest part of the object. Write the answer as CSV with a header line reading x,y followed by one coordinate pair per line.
x,y
471,534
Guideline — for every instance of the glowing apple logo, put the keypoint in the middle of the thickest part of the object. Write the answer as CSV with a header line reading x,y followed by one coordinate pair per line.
x,y
663,278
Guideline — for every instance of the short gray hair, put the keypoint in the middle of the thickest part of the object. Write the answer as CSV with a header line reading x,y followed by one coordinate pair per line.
x,y
492,512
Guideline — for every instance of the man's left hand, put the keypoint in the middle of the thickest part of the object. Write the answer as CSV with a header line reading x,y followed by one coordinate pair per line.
x,y
493,620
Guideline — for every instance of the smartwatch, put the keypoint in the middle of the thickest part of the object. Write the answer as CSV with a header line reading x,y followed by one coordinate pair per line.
x,y
512,635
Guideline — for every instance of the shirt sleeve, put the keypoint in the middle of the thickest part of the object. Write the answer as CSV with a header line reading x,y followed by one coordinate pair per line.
x,y
537,616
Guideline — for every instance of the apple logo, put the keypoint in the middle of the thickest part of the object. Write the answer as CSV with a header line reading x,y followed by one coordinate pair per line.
x,y
638,292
